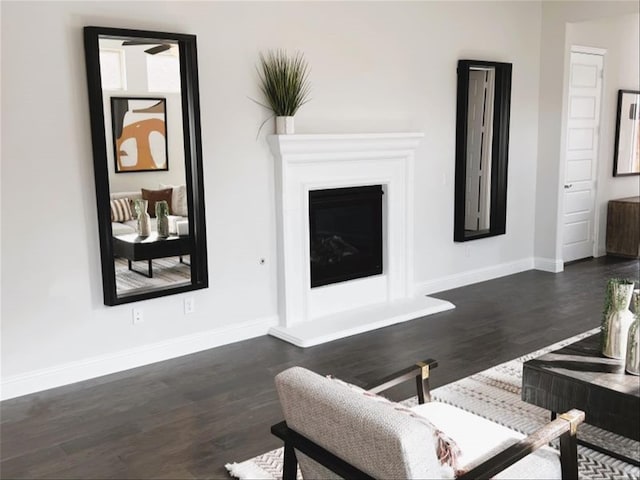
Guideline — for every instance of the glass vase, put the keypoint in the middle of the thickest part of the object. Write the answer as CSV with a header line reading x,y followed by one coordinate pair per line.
x,y
632,360
162,218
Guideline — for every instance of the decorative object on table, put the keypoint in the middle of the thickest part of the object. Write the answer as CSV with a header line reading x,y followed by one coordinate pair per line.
x,y
632,360
284,82
616,318
139,134
144,219
162,218
626,156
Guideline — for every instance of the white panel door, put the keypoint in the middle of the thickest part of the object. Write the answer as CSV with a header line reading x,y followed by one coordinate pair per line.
x,y
583,122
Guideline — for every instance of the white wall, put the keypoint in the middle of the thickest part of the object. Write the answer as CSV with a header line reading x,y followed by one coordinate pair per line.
x,y
375,67
553,70
620,36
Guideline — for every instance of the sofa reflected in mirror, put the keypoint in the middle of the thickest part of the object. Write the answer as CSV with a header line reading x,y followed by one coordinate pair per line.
x,y
145,125
144,262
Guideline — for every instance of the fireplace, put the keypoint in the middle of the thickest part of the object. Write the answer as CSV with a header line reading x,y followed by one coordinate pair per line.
x,y
345,234
344,212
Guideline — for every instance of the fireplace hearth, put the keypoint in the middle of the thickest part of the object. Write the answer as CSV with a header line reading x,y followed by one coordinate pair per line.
x,y
345,234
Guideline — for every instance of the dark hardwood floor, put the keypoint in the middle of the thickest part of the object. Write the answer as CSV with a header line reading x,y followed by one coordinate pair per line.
x,y
187,417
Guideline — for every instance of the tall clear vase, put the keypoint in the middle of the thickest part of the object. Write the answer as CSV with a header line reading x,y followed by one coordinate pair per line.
x,y
617,318
162,219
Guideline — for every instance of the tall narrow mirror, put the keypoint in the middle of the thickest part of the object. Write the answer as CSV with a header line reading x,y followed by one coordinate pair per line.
x,y
145,123
626,155
482,143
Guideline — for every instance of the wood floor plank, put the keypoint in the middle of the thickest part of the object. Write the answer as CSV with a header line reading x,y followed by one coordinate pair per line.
x,y
187,417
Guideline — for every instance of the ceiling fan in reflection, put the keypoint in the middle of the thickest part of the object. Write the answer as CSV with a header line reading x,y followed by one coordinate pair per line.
x,y
163,47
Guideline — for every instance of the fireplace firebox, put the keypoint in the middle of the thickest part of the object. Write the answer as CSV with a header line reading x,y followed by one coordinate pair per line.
x,y
345,227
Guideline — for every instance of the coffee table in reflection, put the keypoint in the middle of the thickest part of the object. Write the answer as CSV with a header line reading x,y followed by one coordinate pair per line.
x,y
579,376
135,248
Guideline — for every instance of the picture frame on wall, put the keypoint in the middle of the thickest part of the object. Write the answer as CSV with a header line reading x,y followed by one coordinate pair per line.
x,y
626,157
139,127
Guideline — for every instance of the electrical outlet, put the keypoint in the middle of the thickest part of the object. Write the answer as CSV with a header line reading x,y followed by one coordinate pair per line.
x,y
137,316
189,305
467,251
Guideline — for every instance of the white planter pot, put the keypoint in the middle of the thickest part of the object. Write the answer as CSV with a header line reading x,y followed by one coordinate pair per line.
x,y
284,126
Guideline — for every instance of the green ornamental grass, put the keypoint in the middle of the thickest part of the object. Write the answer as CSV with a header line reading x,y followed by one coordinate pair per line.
x,y
284,82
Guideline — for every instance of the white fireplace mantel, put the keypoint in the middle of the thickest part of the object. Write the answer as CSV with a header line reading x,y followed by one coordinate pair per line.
x,y
311,162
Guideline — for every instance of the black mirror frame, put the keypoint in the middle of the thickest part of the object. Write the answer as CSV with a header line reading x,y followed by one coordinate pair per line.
x,y
193,160
617,137
499,149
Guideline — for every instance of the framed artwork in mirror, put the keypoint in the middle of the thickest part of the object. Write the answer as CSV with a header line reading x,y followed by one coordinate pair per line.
x,y
482,149
151,223
626,156
139,127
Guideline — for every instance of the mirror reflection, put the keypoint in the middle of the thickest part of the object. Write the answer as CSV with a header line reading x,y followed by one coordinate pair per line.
x,y
482,149
142,102
626,160
479,141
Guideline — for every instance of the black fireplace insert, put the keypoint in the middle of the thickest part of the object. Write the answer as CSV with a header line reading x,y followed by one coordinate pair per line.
x,y
345,226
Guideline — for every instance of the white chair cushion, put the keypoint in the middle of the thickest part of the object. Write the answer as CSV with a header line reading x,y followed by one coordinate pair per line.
x,y
479,439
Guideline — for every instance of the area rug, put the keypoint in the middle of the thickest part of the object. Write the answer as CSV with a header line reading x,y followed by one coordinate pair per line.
x,y
495,394
167,271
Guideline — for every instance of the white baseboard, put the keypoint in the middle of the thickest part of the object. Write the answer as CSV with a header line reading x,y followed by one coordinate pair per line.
x,y
473,276
548,264
65,374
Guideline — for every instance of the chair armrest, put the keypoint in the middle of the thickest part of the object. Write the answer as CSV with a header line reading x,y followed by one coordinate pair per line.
x,y
565,427
420,371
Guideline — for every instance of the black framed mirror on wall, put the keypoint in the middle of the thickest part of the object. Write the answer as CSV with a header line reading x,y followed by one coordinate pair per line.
x,y
482,149
147,154
626,154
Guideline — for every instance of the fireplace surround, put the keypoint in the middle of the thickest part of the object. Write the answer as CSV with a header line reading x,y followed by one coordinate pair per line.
x,y
307,163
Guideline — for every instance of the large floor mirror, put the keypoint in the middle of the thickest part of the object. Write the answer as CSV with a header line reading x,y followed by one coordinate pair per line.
x,y
482,149
145,126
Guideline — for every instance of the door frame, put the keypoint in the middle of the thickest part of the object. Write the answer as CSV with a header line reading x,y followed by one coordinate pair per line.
x,y
563,153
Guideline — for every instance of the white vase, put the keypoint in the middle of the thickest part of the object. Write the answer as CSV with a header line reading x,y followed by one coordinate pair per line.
x,y
144,219
617,321
632,360
284,126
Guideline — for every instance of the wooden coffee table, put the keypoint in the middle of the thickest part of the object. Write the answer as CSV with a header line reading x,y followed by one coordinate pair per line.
x,y
579,376
135,248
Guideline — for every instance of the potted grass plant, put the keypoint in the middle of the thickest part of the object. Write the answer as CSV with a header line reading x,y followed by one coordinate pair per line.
x,y
284,82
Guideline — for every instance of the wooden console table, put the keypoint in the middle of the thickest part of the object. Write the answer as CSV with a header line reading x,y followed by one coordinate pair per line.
x,y
623,227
